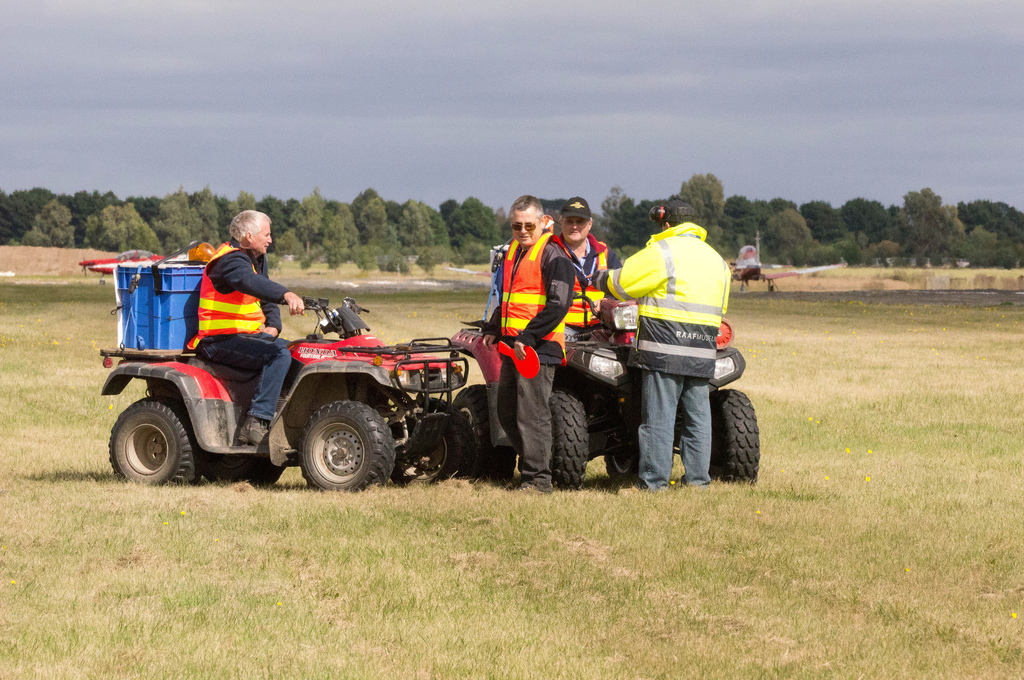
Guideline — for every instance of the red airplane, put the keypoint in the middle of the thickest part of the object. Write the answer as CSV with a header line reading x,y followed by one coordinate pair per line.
x,y
747,267
129,257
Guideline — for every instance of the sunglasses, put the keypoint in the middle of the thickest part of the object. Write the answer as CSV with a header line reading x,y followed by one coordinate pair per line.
x,y
529,226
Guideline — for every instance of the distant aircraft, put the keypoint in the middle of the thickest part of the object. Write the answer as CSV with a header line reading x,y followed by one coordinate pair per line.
x,y
747,267
129,257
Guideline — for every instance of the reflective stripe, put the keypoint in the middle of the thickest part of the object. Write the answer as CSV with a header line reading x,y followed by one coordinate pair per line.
x,y
676,350
616,288
537,247
679,305
520,324
670,268
221,324
525,298
217,306
726,284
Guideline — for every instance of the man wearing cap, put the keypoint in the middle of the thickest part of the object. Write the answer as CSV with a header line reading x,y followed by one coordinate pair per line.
x,y
239,321
588,256
682,286
535,294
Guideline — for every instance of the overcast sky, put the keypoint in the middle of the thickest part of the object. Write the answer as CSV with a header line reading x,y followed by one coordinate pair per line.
x,y
805,99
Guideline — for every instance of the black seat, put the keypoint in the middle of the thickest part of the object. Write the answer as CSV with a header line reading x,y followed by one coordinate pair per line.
x,y
223,371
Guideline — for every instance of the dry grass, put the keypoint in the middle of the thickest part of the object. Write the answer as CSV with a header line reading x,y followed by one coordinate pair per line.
x,y
813,572
33,261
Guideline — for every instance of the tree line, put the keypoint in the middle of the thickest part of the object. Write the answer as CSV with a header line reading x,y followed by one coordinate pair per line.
x,y
375,232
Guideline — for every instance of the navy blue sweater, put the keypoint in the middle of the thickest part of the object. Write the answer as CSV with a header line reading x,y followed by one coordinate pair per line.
x,y
235,272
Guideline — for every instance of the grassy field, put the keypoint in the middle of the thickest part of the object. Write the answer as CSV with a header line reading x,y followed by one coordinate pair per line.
x,y
882,540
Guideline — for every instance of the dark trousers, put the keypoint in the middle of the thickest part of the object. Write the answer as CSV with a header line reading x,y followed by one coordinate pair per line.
x,y
255,352
525,415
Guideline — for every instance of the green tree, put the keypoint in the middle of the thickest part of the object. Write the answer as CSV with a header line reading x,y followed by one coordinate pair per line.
x,y
375,228
602,228
741,220
414,228
870,218
287,243
19,212
998,218
273,207
785,232
205,205
705,194
366,257
930,227
824,221
245,201
83,205
427,259
178,223
148,207
339,235
309,219
119,228
52,227
473,222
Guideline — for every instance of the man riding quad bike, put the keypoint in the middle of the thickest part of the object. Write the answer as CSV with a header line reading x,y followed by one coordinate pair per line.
x,y
353,412
595,405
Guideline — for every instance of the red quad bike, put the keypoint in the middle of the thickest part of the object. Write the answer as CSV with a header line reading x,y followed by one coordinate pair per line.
x,y
353,412
595,406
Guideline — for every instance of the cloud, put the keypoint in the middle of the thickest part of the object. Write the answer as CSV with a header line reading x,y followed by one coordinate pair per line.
x,y
799,99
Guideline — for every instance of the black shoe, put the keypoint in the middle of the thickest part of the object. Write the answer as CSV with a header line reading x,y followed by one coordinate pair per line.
x,y
531,488
254,430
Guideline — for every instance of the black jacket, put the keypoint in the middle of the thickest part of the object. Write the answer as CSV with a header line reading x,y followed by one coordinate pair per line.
x,y
234,272
557,274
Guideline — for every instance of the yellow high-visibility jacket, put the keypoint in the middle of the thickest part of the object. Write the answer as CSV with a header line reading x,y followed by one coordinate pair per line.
x,y
682,287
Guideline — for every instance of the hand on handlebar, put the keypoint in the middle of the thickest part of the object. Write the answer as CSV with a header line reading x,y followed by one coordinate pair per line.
x,y
294,302
489,340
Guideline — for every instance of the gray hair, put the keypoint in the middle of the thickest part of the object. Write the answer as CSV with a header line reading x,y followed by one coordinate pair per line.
x,y
247,222
526,202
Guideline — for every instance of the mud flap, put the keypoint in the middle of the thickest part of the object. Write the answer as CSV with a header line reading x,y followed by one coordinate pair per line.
x,y
427,435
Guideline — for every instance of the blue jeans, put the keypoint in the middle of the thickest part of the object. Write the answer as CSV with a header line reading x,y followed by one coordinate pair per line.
x,y
255,352
662,394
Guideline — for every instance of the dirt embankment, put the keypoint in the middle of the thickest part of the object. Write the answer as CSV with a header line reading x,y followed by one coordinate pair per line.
x,y
32,261
969,298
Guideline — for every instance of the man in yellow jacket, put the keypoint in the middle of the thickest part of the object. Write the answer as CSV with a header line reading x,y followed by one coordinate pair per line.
x,y
682,287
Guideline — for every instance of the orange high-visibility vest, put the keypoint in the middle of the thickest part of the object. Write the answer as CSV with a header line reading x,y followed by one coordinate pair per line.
x,y
220,314
577,316
523,294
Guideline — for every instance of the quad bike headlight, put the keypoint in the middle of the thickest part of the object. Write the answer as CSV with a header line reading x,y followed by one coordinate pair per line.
x,y
624,317
437,379
724,366
610,368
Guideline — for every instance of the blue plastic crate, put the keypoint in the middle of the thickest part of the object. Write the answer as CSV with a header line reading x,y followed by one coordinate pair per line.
x,y
157,313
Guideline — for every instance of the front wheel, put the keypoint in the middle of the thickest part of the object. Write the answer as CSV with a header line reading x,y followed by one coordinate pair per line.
x,y
454,450
152,443
346,446
569,440
735,438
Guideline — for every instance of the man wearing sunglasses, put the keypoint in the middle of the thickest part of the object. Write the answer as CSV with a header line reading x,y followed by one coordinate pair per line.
x,y
535,294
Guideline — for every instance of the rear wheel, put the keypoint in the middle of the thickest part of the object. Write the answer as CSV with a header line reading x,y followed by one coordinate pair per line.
x,y
256,470
152,443
346,446
569,450
735,438
496,463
